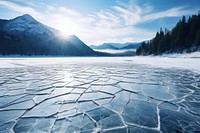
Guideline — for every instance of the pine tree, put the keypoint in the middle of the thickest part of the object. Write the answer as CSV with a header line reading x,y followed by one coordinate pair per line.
x,y
197,40
183,36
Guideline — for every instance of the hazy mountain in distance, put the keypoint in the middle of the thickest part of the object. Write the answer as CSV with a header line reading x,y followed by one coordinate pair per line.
x,y
132,45
24,35
104,46
116,46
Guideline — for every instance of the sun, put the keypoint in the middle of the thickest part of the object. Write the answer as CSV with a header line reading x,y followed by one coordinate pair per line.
x,y
67,26
66,29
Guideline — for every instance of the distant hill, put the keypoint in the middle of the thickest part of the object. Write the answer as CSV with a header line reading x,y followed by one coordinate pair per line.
x,y
132,46
24,35
184,37
116,46
104,46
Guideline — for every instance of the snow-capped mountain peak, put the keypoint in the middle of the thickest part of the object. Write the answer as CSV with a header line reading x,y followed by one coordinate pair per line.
x,y
26,23
25,17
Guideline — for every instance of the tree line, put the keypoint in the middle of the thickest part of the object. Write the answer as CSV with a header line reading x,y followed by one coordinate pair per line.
x,y
184,36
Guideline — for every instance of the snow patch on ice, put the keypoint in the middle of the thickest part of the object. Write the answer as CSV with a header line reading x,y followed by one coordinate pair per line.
x,y
192,64
185,55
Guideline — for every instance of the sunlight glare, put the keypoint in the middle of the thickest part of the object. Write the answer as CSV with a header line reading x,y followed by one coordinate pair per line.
x,y
67,28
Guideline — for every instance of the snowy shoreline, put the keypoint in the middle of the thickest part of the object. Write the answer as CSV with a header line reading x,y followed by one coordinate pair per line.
x,y
183,55
192,64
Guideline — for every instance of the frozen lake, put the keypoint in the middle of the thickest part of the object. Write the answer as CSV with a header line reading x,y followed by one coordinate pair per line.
x,y
104,95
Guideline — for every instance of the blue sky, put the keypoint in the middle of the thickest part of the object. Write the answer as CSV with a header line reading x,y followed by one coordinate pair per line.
x,y
99,21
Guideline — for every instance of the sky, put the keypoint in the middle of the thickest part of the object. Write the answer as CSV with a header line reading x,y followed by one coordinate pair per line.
x,y
102,21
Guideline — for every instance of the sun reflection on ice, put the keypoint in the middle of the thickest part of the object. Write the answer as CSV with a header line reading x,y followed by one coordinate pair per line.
x,y
68,77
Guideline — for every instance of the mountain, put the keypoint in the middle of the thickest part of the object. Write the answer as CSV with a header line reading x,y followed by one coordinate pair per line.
x,y
104,46
24,35
184,37
131,46
26,24
116,46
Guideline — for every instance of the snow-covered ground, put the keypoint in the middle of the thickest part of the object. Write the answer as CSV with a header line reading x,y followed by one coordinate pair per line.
x,y
114,51
192,64
189,61
185,55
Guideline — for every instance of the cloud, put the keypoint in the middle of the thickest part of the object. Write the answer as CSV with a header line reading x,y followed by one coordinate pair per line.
x,y
174,12
131,16
19,8
68,11
116,24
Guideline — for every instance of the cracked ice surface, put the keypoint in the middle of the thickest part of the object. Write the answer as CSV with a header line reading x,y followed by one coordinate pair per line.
x,y
98,96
